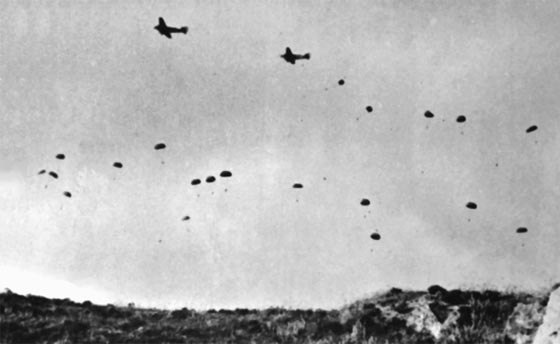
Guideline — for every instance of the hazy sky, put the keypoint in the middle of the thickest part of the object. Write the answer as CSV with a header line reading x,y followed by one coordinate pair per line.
x,y
97,83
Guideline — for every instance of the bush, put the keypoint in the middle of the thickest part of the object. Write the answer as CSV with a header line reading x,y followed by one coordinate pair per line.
x,y
182,313
435,289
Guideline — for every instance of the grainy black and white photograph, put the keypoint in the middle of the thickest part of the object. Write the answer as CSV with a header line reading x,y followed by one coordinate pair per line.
x,y
314,172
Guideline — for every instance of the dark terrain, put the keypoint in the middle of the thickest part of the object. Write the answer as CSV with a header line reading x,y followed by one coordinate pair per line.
x,y
397,316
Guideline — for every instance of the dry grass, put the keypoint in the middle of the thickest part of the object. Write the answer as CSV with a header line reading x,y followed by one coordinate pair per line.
x,y
34,319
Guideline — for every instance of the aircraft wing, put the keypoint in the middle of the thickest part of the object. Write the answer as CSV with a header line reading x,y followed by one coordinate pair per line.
x,y
166,33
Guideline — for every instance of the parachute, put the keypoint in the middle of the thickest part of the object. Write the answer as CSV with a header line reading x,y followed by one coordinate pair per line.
x,y
375,236
428,114
297,186
186,218
41,172
159,146
369,108
117,164
60,156
341,82
521,230
225,174
531,129
67,194
365,202
195,181
210,179
471,205
53,174
461,119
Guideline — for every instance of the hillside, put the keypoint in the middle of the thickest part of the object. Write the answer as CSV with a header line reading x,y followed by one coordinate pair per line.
x,y
396,316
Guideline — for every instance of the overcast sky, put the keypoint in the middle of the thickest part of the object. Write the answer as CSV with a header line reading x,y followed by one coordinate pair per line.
x,y
96,82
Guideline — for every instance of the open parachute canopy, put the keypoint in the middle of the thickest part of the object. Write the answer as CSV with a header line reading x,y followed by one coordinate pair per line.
x,y
531,129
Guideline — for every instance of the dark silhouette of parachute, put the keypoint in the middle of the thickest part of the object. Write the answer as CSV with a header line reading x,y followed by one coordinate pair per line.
x,y
375,236
117,164
369,108
428,114
297,186
461,119
225,174
365,202
210,179
521,230
53,174
60,156
159,146
195,181
67,194
341,82
531,129
42,172
471,205
186,218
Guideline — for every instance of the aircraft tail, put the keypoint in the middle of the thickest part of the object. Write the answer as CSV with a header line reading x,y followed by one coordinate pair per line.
x,y
184,29
307,56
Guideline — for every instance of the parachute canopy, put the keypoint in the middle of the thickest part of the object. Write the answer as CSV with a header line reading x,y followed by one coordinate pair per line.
x,y
365,202
375,236
531,128
521,230
159,146
341,82
297,186
210,179
428,114
369,108
225,174
53,174
186,218
41,172
461,119
117,164
471,205
67,194
195,181
60,156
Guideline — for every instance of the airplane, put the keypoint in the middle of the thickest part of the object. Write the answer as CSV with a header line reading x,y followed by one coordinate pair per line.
x,y
168,30
291,58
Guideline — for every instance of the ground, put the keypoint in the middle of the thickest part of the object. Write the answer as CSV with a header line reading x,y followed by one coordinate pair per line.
x,y
396,316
